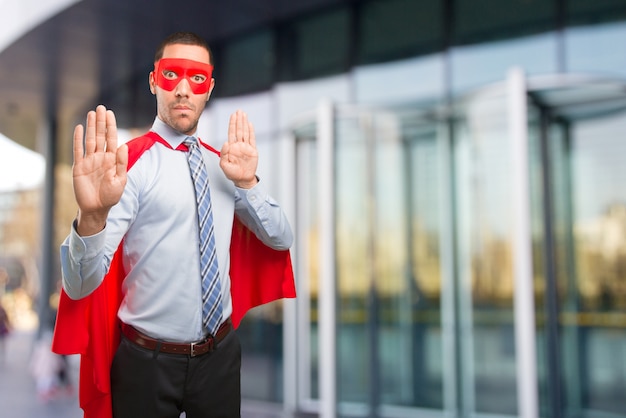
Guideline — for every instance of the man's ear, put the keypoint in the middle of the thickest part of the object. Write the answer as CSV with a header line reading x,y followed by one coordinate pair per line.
x,y
210,89
151,82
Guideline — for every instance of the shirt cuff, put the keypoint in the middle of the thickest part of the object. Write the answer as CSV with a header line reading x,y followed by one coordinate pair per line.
x,y
256,196
88,247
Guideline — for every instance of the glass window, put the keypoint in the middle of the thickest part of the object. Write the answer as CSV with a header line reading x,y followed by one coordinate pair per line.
x,y
395,29
485,260
261,335
245,64
261,330
405,81
585,11
588,220
476,65
307,245
322,44
388,261
591,49
417,304
355,263
488,20
595,297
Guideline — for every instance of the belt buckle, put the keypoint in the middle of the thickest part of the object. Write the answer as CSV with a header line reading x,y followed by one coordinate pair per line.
x,y
192,347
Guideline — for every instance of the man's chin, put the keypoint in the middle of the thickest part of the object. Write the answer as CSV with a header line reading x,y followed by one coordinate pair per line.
x,y
184,124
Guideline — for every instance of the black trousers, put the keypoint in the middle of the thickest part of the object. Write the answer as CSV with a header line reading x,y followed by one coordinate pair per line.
x,y
150,384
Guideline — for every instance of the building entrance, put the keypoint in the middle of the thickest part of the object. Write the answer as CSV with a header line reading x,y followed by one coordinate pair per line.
x,y
465,259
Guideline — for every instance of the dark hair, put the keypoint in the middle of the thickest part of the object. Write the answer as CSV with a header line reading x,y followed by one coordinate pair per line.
x,y
186,38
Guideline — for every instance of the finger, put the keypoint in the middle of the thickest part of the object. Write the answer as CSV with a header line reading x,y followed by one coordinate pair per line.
x,y
111,132
101,127
245,127
252,135
232,128
122,161
79,150
240,125
90,133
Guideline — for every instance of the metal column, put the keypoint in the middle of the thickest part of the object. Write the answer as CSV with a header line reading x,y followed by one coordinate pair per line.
x,y
525,338
327,281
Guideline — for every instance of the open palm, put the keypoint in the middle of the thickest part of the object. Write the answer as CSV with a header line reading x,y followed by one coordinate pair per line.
x,y
239,156
99,171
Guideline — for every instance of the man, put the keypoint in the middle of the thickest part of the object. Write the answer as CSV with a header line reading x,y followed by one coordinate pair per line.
x,y
150,218
5,328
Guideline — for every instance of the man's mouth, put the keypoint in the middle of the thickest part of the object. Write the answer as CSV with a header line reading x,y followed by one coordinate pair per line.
x,y
182,107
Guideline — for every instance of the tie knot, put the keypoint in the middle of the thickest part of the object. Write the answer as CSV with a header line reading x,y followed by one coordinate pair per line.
x,y
190,141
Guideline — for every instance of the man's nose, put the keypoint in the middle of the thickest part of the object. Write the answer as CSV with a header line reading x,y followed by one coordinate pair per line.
x,y
183,88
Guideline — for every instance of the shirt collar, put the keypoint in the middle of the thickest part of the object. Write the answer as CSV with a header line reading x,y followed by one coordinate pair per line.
x,y
169,134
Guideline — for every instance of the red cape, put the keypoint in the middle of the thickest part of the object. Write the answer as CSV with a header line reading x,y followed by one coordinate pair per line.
x,y
90,326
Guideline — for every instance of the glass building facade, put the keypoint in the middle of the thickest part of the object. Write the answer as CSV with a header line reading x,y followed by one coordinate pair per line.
x,y
387,130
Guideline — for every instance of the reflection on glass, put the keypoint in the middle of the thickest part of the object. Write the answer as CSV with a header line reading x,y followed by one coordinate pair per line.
x,y
579,374
391,351
584,54
354,263
477,65
485,257
388,263
593,282
306,234
424,288
261,332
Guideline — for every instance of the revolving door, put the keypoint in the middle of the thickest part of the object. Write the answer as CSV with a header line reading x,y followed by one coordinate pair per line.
x,y
425,291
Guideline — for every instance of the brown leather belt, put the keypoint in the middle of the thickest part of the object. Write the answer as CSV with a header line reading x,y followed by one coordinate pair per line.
x,y
191,349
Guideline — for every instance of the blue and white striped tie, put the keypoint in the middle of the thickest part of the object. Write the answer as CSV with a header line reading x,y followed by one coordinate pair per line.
x,y
209,271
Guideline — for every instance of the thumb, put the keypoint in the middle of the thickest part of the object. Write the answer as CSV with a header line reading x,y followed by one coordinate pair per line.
x,y
225,149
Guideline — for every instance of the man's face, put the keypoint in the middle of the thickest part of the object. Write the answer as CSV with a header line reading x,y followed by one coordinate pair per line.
x,y
182,84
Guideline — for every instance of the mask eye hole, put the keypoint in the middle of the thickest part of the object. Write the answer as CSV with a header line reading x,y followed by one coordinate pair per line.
x,y
198,78
170,75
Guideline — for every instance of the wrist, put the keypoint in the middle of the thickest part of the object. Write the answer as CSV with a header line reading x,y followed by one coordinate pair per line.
x,y
87,224
247,184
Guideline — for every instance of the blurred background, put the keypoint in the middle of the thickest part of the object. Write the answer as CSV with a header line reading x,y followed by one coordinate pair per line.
x,y
453,170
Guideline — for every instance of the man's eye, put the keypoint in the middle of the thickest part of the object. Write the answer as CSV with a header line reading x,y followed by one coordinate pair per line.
x,y
198,78
170,75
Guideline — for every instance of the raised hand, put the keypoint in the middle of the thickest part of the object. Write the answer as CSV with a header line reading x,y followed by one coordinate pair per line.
x,y
99,171
239,156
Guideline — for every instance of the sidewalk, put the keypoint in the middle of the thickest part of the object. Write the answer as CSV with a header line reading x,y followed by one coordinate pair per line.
x,y
18,393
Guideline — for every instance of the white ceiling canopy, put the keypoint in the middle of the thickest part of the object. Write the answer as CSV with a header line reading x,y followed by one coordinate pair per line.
x,y
20,168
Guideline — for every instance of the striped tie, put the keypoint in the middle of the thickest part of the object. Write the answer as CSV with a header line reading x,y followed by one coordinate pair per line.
x,y
211,288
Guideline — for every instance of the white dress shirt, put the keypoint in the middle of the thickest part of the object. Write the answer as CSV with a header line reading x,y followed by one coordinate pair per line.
x,y
157,220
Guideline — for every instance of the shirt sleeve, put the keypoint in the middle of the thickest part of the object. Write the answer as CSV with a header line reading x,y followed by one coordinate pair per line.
x,y
82,263
85,260
263,215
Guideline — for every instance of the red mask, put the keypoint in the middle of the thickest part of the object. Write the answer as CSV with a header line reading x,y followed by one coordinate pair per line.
x,y
168,72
